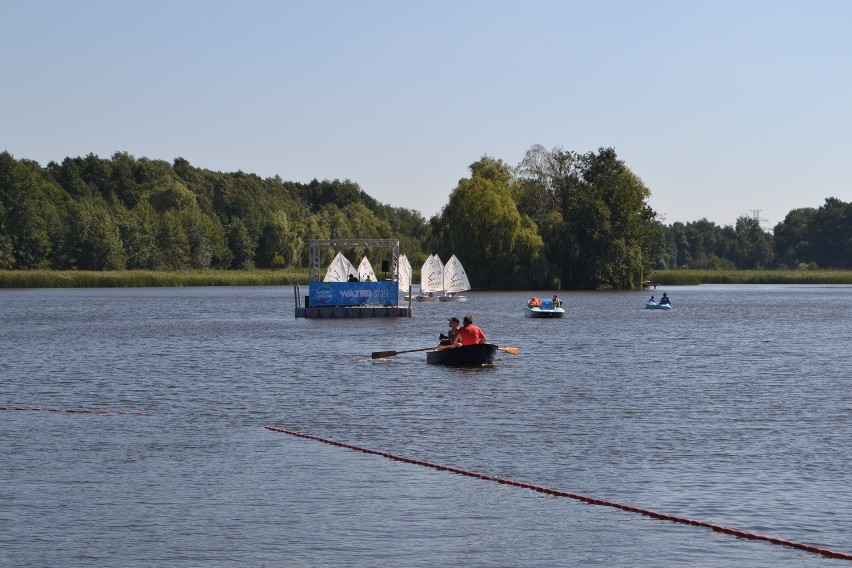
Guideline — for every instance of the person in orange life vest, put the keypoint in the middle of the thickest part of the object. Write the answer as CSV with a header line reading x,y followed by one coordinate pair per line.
x,y
469,334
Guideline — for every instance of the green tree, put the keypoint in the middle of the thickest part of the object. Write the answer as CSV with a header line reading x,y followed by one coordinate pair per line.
x,y
202,234
36,210
615,197
481,225
170,194
241,244
791,243
831,234
592,214
279,243
7,258
753,246
173,242
97,236
138,229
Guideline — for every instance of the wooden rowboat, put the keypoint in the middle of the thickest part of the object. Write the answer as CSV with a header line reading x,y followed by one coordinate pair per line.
x,y
469,355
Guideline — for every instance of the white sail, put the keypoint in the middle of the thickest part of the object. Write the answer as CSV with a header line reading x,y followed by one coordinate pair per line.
x,y
365,271
350,268
339,269
424,274
455,278
404,273
432,275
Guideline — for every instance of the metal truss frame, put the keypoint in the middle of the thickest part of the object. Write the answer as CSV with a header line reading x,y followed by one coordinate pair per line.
x,y
315,246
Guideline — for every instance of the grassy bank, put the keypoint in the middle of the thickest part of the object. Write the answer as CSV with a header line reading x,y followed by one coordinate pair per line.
x,y
290,276
694,277
149,278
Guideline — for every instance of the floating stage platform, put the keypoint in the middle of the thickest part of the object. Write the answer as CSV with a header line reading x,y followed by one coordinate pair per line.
x,y
354,312
337,298
332,300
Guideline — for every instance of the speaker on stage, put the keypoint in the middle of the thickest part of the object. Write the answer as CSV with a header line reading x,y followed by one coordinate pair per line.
x,y
385,266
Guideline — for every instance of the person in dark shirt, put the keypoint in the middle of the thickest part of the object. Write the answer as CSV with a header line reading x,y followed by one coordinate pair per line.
x,y
451,335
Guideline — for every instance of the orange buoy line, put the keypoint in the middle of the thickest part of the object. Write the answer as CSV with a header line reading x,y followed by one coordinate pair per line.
x,y
72,410
576,496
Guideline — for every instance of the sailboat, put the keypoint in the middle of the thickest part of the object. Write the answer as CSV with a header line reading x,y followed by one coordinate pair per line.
x,y
455,281
404,279
365,271
431,279
340,270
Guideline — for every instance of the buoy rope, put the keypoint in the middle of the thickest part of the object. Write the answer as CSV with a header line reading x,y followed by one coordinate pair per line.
x,y
72,410
578,497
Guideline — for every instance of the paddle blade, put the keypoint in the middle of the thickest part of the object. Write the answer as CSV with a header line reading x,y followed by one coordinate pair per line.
x,y
383,354
512,350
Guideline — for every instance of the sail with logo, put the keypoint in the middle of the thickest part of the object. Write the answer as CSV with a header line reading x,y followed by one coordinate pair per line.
x,y
431,280
454,281
340,270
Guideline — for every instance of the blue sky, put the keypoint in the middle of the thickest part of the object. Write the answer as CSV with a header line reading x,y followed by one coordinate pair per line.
x,y
722,108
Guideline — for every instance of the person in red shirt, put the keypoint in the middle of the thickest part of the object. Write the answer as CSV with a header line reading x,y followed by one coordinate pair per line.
x,y
469,334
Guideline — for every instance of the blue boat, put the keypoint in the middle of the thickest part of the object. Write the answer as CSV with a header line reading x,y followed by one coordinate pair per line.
x,y
657,306
545,313
545,310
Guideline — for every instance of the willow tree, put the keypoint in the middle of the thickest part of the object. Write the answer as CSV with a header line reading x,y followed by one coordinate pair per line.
x,y
481,225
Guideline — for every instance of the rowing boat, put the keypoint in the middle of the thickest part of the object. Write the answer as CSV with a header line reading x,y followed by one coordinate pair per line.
x,y
469,355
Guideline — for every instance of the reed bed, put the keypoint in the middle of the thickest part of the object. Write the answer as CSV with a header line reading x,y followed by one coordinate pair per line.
x,y
290,276
149,278
695,277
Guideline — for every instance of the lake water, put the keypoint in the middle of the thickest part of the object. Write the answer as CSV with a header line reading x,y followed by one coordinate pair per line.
x,y
733,408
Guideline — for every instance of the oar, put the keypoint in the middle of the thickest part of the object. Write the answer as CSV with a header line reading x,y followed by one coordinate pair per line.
x,y
383,354
512,350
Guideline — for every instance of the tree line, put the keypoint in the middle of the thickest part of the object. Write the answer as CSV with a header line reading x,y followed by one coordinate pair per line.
x,y
807,238
559,219
127,213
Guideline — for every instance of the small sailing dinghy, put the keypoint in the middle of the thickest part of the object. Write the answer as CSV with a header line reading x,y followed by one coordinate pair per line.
x,y
455,281
404,278
340,270
431,280
365,271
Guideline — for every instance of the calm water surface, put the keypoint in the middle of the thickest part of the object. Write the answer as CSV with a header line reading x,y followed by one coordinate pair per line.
x,y
734,408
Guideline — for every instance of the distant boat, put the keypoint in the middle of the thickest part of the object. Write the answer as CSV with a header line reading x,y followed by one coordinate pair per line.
x,y
545,310
431,280
650,305
454,281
